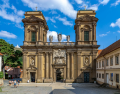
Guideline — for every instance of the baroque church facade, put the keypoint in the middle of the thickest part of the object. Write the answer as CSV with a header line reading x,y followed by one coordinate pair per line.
x,y
48,61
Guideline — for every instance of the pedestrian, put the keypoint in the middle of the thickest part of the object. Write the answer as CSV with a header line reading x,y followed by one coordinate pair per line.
x,y
18,82
28,81
15,84
9,83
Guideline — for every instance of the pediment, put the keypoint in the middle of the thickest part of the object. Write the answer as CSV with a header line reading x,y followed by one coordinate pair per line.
x,y
32,18
31,68
86,18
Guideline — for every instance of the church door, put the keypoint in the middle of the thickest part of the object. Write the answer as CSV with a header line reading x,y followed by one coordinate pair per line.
x,y
86,77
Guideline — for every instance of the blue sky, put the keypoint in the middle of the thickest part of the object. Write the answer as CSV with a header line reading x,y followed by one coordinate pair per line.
x,y
60,16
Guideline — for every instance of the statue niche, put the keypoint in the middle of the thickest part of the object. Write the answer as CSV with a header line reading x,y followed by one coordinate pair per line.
x,y
32,61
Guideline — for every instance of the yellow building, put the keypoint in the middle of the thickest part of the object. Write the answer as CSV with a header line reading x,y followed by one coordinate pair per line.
x,y
108,65
51,61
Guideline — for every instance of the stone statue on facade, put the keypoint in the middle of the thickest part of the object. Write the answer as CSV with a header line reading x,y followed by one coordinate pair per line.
x,y
59,36
68,38
32,61
50,38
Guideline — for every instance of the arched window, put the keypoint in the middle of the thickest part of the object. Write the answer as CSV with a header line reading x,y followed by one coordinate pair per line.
x,y
33,36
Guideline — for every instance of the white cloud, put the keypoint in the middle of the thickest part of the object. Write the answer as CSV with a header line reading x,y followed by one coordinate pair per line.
x,y
108,32
20,13
118,31
64,20
117,23
13,16
19,26
94,7
62,5
7,34
104,2
79,1
53,12
55,26
47,18
102,35
116,3
54,34
52,20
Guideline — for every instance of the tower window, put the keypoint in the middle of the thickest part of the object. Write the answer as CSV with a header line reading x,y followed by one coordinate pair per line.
x,y
33,36
86,35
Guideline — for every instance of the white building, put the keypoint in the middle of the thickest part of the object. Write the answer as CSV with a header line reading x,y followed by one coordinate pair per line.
x,y
1,62
108,65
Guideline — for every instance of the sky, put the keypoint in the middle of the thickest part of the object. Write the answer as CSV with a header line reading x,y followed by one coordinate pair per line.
x,y
60,16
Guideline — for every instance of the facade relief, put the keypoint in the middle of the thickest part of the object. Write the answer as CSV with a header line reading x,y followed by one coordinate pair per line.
x,y
59,56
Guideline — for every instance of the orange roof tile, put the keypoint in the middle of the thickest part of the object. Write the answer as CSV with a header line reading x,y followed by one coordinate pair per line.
x,y
1,54
110,48
99,51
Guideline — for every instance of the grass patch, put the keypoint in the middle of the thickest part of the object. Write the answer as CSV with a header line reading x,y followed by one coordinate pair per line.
x,y
0,89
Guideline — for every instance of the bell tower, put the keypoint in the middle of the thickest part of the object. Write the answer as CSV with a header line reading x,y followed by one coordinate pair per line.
x,y
35,28
85,27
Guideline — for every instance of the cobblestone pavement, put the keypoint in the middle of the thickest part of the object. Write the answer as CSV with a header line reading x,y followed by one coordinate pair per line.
x,y
56,88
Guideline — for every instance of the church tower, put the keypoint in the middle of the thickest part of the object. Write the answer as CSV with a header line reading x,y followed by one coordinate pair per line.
x,y
85,27
35,28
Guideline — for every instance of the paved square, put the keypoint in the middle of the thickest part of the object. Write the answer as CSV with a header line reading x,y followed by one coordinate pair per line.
x,y
57,88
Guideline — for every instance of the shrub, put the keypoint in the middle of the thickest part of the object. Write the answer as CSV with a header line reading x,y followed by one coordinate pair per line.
x,y
1,74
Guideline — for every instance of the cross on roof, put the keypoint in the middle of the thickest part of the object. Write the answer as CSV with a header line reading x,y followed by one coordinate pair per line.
x,y
36,8
85,7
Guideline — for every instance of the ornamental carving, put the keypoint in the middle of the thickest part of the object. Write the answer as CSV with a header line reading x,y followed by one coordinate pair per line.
x,y
86,18
50,38
59,56
86,61
59,37
32,61
68,38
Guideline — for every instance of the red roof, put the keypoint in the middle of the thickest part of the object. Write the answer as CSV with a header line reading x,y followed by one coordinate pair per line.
x,y
110,48
99,51
1,54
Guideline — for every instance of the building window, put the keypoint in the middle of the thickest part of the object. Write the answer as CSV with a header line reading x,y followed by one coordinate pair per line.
x,y
102,76
111,76
111,61
86,35
117,60
99,75
33,37
117,78
102,63
107,63
99,64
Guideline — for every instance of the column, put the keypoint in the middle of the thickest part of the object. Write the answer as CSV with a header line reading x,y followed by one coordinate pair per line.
x,y
72,63
39,33
39,64
79,64
47,66
25,32
24,65
94,31
51,65
68,66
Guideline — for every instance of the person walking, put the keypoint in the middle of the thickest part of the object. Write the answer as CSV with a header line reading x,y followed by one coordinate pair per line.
x,y
15,84
18,82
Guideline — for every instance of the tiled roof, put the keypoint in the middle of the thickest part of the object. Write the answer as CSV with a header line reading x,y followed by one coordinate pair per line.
x,y
110,48
99,51
1,54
